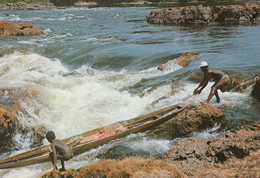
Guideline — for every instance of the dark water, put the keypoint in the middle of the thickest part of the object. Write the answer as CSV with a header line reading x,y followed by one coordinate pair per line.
x,y
97,66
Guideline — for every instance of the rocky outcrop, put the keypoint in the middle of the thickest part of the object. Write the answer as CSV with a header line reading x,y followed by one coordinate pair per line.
x,y
180,15
196,118
26,6
129,167
256,89
236,13
203,15
234,154
8,29
183,60
10,125
7,127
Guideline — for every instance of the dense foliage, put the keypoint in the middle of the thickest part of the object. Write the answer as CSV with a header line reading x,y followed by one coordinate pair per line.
x,y
63,2
27,1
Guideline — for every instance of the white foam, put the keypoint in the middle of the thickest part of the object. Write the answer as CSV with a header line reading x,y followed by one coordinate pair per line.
x,y
21,173
208,133
72,104
87,99
154,146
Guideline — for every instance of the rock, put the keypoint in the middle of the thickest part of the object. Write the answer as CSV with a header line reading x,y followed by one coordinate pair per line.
x,y
233,154
256,89
68,173
26,6
7,128
196,118
236,13
131,167
183,60
8,29
203,15
180,15
232,145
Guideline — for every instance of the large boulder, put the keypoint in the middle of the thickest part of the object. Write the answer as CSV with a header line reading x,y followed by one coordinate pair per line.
x,y
7,128
183,61
256,89
10,125
8,29
180,15
236,13
196,118
203,15
233,154
231,145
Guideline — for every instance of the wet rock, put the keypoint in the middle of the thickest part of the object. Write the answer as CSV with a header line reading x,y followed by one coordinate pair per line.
x,y
196,118
239,83
26,6
10,125
35,133
236,13
180,15
256,89
68,173
203,15
233,154
183,60
9,101
8,29
7,128
232,145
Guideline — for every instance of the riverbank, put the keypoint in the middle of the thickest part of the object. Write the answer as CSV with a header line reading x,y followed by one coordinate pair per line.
x,y
26,6
48,5
233,154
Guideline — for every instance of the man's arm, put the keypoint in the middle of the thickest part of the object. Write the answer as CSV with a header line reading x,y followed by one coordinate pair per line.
x,y
202,84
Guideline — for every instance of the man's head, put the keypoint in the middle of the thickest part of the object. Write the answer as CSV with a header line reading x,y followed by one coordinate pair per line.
x,y
204,66
50,136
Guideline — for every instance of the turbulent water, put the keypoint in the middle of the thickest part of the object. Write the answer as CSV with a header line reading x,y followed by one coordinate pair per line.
x,y
97,66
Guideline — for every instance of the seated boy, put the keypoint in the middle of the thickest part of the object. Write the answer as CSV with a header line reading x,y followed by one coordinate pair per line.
x,y
60,150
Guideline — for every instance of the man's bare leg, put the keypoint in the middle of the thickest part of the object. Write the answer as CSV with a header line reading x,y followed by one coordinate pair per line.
x,y
218,98
213,91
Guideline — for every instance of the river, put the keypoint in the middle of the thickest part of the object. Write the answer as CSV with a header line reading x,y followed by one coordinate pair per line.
x,y
97,66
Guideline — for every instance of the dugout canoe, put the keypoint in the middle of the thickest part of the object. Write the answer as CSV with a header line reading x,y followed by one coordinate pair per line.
x,y
84,142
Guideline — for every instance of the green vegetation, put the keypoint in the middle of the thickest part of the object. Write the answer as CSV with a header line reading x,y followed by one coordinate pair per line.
x,y
27,1
63,2
111,2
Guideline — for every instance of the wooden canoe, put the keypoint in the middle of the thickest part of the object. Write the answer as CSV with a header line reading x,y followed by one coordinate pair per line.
x,y
84,142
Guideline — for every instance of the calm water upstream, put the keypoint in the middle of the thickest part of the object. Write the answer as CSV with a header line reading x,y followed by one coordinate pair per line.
x,y
97,66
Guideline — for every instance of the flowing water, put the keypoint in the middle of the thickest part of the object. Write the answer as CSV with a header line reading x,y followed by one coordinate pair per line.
x,y
97,66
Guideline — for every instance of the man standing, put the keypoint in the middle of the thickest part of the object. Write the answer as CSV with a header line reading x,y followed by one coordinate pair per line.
x,y
215,75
